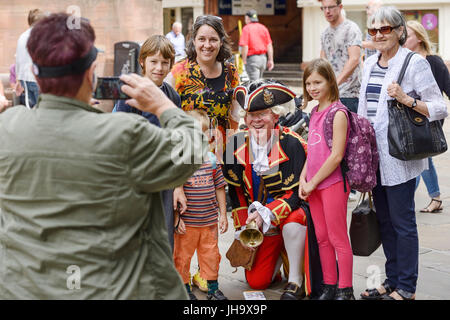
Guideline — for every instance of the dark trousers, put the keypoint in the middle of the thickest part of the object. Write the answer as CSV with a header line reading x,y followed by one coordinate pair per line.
x,y
397,219
167,199
350,103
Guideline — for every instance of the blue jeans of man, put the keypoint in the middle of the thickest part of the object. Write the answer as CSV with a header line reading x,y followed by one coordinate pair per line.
x,y
31,92
350,103
430,179
395,211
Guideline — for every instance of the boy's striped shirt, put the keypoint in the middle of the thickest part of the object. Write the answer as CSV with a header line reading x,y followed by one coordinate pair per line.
x,y
200,190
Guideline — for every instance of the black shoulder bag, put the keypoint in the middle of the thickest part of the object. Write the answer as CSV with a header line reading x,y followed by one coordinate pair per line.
x,y
410,135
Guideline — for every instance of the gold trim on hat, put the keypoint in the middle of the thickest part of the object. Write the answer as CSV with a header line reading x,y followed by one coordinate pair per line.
x,y
268,97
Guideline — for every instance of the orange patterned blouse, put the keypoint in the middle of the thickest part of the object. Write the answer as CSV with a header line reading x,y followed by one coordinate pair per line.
x,y
196,91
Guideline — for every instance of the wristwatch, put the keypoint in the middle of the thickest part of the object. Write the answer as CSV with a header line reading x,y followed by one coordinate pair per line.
x,y
414,104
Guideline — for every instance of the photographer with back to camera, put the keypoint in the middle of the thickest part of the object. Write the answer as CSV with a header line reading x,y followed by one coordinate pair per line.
x,y
80,188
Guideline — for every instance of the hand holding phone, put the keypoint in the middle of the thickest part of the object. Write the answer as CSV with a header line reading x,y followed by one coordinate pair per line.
x,y
109,88
145,95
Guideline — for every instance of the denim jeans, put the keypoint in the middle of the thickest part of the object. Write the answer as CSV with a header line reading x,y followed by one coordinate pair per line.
x,y
350,103
396,216
431,180
31,91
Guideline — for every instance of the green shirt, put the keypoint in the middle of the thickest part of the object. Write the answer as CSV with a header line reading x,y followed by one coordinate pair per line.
x,y
80,202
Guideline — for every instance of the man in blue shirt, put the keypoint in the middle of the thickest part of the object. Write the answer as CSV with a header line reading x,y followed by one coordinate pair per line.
x,y
176,37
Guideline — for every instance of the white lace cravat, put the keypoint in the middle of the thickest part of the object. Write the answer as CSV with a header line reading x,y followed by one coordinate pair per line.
x,y
261,159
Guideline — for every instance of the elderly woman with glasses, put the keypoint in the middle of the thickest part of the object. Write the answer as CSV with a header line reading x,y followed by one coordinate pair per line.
x,y
396,179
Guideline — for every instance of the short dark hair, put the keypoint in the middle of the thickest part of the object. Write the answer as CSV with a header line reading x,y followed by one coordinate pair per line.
x,y
53,43
214,22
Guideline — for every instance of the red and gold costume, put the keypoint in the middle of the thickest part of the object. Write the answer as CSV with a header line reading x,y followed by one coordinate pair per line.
x,y
286,159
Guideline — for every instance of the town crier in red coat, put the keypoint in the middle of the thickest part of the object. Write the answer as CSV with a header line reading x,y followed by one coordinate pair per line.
x,y
262,166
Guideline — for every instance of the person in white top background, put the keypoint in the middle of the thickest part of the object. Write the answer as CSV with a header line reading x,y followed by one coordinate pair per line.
x,y
177,38
24,64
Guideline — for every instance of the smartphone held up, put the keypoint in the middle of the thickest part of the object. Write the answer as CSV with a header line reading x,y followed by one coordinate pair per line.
x,y
109,88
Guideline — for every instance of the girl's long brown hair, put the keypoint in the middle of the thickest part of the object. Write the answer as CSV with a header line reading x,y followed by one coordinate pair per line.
x,y
322,67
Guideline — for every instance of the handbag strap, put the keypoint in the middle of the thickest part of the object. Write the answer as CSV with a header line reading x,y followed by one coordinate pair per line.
x,y
362,197
405,65
370,199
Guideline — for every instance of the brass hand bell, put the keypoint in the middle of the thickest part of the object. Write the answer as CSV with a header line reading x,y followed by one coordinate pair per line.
x,y
251,236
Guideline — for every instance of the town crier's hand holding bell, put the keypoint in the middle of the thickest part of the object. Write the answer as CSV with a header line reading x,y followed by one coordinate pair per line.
x,y
251,236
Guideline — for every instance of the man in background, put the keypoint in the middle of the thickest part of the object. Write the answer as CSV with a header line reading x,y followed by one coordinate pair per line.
x,y
256,43
176,37
341,45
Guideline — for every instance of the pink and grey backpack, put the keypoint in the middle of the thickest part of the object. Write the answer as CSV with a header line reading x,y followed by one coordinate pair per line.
x,y
360,163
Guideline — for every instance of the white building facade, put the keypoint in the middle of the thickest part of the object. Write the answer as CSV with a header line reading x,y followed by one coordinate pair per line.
x,y
434,15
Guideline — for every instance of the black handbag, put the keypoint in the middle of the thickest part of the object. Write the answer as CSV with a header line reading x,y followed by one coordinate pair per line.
x,y
410,135
364,231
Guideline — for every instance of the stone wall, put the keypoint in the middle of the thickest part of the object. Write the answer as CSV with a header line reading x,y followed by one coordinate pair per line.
x,y
113,21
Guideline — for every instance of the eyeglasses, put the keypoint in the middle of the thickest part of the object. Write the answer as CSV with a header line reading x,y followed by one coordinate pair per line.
x,y
328,8
382,30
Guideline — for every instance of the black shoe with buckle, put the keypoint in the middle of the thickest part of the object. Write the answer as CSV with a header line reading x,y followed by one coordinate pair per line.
x,y
293,292
344,294
328,292
217,295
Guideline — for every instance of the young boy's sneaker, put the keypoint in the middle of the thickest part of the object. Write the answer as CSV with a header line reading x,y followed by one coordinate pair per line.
x,y
199,282
216,295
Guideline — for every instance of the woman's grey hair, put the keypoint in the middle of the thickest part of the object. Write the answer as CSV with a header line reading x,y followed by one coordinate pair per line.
x,y
394,18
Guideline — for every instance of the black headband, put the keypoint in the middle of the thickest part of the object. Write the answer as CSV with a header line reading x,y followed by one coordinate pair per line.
x,y
76,67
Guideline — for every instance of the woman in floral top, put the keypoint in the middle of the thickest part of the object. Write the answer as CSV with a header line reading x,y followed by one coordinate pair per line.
x,y
205,80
